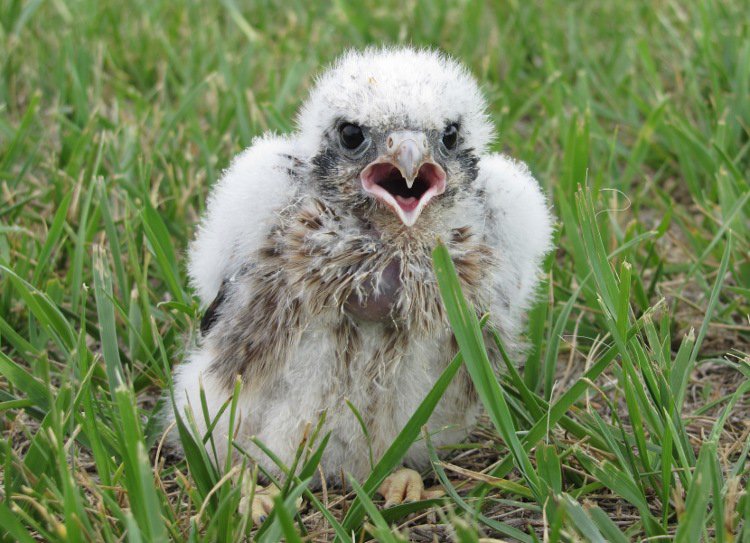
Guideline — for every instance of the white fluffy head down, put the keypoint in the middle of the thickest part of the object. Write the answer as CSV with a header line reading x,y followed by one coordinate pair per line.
x,y
396,87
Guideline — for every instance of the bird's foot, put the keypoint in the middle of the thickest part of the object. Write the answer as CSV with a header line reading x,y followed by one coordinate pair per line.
x,y
406,485
260,501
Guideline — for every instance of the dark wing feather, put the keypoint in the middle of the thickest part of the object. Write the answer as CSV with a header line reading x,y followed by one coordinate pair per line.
x,y
212,312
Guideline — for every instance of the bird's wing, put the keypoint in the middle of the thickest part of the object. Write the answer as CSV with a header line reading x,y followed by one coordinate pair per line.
x,y
240,211
518,226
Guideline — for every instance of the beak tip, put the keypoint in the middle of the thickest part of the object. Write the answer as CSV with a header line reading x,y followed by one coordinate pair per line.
x,y
408,221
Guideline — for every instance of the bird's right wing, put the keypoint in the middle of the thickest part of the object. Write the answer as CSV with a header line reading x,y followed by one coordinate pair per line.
x,y
240,211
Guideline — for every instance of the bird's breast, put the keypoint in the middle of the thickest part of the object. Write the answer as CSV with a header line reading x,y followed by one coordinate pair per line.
x,y
376,297
339,269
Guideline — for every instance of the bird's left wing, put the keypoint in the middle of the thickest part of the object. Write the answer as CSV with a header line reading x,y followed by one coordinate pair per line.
x,y
518,226
240,212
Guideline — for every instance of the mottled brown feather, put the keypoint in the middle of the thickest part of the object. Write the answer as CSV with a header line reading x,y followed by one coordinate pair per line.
x,y
310,266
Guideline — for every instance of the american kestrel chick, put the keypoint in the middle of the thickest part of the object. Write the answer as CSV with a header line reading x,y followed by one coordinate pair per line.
x,y
314,263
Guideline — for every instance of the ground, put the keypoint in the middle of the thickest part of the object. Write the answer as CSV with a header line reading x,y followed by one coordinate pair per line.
x,y
629,416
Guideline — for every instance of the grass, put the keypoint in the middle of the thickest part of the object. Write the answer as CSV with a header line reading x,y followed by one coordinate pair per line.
x,y
630,417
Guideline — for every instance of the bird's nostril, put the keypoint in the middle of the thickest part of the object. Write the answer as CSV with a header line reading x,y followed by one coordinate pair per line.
x,y
389,143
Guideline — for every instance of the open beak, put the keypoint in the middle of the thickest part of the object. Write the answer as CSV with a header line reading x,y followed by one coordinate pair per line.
x,y
405,178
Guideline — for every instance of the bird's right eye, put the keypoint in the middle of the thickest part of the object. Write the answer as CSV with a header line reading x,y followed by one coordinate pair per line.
x,y
351,136
450,136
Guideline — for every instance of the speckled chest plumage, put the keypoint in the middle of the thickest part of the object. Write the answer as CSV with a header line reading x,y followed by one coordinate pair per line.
x,y
285,329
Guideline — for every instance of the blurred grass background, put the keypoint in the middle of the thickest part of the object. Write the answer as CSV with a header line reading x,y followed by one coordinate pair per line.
x,y
115,118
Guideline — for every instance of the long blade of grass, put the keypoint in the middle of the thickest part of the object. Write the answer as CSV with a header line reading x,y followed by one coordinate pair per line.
x,y
713,300
106,313
401,444
692,519
468,335
382,531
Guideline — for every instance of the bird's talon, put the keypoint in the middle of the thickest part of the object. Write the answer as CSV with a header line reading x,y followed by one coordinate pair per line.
x,y
261,505
403,486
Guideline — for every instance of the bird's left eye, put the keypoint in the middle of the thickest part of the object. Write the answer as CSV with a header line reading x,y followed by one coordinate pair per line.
x,y
351,136
450,136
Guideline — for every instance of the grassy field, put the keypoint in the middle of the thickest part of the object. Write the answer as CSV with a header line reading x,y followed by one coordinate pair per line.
x,y
630,419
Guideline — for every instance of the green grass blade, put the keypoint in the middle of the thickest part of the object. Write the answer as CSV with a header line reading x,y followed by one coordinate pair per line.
x,y
138,471
161,247
382,531
10,525
286,521
583,524
691,521
468,334
393,456
45,310
607,527
106,313
21,379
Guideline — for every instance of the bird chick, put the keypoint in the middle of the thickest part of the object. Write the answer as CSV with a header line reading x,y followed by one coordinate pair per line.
x,y
314,263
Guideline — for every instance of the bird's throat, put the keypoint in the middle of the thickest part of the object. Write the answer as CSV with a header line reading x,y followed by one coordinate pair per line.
x,y
376,297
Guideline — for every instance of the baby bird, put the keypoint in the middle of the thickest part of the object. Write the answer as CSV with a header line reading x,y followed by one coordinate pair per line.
x,y
314,263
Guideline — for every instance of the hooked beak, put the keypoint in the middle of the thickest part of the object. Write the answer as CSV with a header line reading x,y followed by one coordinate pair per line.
x,y
405,178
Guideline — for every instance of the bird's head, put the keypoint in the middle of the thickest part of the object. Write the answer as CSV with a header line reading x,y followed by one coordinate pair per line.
x,y
395,132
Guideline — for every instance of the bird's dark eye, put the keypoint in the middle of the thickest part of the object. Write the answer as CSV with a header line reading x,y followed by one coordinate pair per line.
x,y
351,136
450,136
